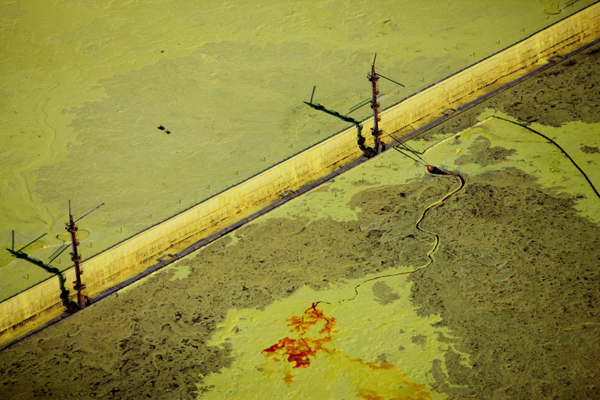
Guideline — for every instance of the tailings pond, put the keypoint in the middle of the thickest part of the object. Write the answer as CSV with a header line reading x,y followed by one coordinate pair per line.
x,y
85,87
388,282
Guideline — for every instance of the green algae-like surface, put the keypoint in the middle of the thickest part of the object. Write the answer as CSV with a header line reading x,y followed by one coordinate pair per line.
x,y
466,152
375,345
321,307
344,295
84,87
372,342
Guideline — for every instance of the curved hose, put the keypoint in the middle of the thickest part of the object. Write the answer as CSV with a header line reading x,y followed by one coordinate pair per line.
x,y
417,225
426,210
558,146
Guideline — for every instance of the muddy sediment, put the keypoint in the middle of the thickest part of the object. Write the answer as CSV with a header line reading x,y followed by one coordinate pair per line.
x,y
514,279
563,93
87,89
522,295
508,279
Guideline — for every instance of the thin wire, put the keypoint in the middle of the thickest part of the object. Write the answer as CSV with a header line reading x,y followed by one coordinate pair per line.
x,y
558,146
406,155
413,152
410,150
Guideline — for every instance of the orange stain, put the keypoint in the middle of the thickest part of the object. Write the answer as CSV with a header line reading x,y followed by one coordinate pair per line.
x,y
379,365
369,395
420,393
313,332
300,350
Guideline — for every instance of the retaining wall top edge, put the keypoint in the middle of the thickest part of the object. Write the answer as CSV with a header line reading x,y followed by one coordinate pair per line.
x,y
592,9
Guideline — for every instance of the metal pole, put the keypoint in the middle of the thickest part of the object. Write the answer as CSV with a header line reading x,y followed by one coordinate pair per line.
x,y
76,258
374,78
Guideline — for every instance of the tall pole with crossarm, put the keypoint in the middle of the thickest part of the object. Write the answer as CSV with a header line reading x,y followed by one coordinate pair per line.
x,y
374,78
76,257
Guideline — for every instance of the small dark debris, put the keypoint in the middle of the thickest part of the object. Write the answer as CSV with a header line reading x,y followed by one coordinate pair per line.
x,y
590,149
162,128
595,51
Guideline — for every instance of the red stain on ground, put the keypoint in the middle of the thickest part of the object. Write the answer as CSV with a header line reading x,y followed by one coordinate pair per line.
x,y
311,333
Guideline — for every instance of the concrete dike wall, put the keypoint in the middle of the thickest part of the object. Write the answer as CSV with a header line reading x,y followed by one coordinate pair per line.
x,y
41,303
491,73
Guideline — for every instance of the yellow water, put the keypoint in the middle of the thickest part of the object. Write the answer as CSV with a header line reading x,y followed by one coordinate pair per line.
x,y
84,86
367,354
367,346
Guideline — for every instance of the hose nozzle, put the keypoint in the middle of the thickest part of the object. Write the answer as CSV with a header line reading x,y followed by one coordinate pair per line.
x,y
432,169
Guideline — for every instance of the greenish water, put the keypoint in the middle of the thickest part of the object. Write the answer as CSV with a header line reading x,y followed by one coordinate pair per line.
x,y
85,86
338,294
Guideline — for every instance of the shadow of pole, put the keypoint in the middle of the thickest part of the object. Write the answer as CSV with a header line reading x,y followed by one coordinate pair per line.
x,y
64,292
369,151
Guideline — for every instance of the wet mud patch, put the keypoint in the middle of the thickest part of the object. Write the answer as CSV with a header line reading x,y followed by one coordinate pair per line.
x,y
517,284
509,281
383,293
156,333
590,149
564,93
483,153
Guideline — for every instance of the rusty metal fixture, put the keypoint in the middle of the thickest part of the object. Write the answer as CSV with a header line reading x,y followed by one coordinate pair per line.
x,y
374,79
76,258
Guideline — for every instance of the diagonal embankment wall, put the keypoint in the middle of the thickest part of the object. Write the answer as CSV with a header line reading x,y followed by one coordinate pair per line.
x,y
39,304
